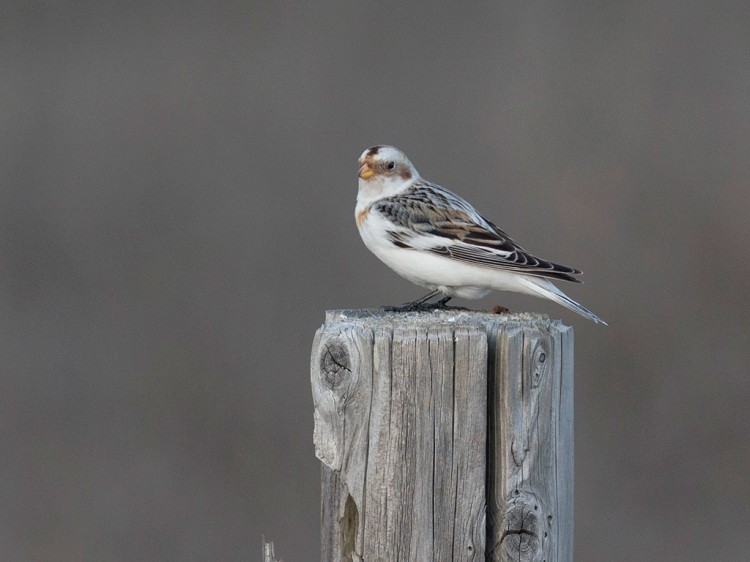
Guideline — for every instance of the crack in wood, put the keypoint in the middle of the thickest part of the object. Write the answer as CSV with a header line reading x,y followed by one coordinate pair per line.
x,y
333,362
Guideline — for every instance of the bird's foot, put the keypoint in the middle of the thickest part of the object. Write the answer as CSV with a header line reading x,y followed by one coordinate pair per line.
x,y
420,305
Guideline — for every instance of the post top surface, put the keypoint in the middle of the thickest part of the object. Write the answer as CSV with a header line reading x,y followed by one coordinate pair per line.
x,y
375,316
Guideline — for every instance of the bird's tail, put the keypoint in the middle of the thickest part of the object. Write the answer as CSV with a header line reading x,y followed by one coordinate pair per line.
x,y
544,288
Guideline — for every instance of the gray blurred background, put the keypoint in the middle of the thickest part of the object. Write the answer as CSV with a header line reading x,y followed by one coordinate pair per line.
x,y
177,187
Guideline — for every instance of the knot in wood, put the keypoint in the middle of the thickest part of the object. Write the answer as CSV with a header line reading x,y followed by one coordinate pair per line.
x,y
523,530
539,365
334,364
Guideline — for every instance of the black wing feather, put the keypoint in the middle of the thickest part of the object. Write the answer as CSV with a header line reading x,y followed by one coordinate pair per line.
x,y
428,209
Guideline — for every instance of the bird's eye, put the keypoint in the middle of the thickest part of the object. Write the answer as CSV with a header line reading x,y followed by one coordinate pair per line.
x,y
391,165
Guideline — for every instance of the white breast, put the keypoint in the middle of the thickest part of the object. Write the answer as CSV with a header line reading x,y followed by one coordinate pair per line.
x,y
419,266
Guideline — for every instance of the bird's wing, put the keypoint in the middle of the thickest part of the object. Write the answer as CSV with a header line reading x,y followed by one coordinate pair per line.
x,y
429,218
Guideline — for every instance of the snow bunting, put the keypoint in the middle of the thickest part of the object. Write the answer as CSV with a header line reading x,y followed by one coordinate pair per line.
x,y
437,240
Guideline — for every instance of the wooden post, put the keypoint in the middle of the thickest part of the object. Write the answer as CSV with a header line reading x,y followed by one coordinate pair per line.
x,y
444,436
268,553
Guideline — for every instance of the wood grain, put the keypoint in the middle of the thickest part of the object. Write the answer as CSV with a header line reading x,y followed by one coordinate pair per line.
x,y
444,436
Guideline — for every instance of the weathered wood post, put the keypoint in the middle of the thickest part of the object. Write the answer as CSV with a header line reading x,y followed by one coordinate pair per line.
x,y
444,436
268,552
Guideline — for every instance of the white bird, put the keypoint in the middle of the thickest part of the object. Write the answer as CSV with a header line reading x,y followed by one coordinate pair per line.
x,y
437,240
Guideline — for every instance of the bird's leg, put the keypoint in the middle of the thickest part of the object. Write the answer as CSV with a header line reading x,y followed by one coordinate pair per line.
x,y
412,306
442,304
423,305
422,301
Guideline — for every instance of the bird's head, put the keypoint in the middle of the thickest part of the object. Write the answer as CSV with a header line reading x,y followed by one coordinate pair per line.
x,y
384,171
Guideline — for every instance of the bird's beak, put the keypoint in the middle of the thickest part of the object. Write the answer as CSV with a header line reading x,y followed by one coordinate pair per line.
x,y
365,172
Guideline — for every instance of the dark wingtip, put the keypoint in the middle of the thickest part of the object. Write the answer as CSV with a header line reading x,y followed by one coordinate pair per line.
x,y
555,275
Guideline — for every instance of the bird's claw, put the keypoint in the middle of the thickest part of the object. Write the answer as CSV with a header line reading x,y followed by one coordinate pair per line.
x,y
421,306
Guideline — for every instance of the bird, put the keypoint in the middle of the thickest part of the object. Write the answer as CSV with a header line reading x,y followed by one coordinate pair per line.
x,y
437,240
